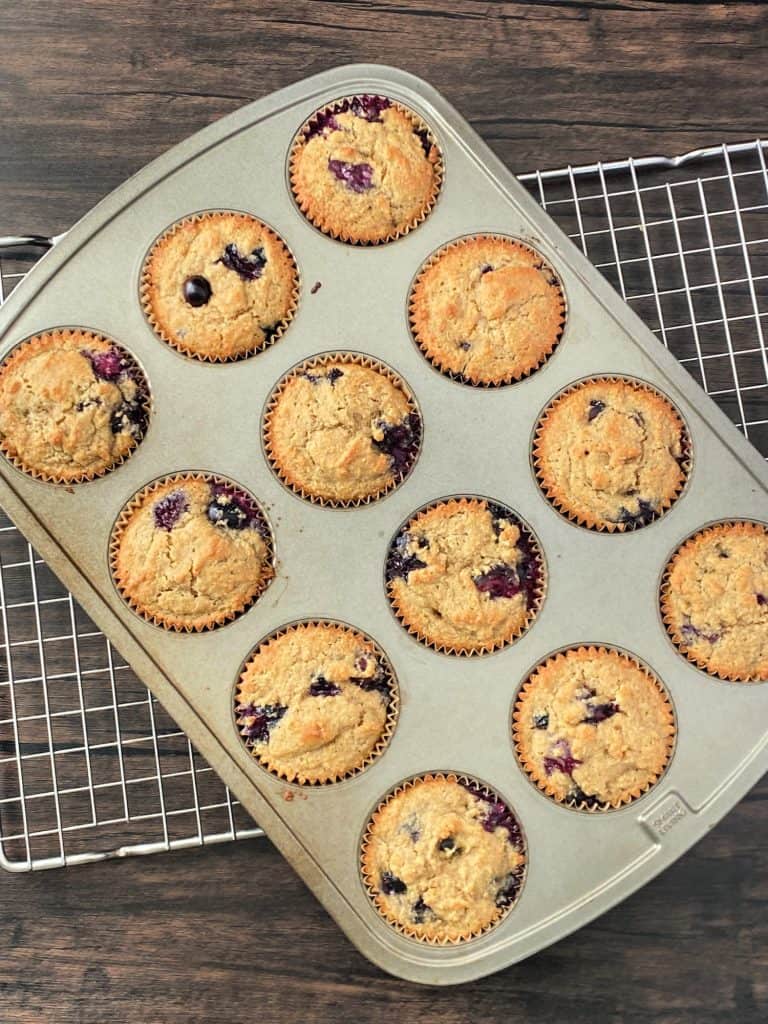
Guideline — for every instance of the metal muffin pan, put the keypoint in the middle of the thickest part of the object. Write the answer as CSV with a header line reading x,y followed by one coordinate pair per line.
x,y
454,712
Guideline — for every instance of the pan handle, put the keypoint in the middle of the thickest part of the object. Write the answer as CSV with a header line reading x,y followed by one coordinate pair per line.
x,y
25,245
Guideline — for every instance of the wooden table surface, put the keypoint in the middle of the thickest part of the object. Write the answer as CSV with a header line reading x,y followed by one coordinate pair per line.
x,y
89,92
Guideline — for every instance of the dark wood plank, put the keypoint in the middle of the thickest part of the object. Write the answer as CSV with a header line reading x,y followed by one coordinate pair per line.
x,y
89,92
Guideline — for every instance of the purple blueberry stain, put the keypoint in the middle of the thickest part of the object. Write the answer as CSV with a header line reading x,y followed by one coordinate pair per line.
x,y
130,417
541,721
248,267
497,814
400,441
645,514
369,107
322,687
761,599
264,718
391,885
499,581
197,291
448,845
465,346
692,633
232,508
597,713
400,562
576,795
561,760
595,408
412,828
509,889
334,374
169,510
426,142
357,177
110,365
323,124
486,269
377,683
419,910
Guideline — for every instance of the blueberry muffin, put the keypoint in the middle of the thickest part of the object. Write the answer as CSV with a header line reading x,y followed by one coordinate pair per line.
x,y
73,405
191,552
465,576
365,170
715,600
341,430
316,702
443,859
611,454
593,728
219,286
487,310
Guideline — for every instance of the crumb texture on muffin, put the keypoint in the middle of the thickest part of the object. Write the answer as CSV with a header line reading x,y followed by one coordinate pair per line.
x,y
190,552
443,859
365,170
219,286
316,702
73,404
487,310
593,728
715,600
611,454
341,430
464,576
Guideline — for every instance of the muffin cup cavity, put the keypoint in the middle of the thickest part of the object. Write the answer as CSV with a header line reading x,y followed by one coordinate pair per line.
x,y
677,633
272,333
419,290
226,486
314,369
384,681
559,500
535,570
500,814
581,801
324,117
118,362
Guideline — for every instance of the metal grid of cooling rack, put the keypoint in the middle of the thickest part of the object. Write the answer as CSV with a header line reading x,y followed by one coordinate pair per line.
x,y
90,764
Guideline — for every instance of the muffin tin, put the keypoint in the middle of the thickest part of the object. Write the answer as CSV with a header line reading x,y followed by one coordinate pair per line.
x,y
454,713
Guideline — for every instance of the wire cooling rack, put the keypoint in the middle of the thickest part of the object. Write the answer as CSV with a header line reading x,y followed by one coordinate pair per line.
x,y
90,764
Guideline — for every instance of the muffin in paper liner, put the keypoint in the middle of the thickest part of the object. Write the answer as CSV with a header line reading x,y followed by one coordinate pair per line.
x,y
593,728
449,838
476,591
191,551
342,195
341,457
714,600
74,405
487,310
639,476
316,702
212,302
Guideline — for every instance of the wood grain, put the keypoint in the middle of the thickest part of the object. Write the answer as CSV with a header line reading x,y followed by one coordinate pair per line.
x,y
90,92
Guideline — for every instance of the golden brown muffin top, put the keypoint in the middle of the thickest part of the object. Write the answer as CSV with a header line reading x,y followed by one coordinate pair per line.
x,y
443,859
316,702
715,600
73,404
